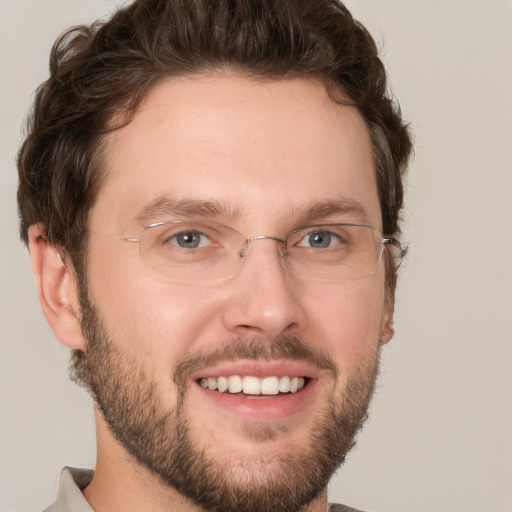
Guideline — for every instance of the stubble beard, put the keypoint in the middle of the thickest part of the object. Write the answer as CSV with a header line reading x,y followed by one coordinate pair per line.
x,y
161,438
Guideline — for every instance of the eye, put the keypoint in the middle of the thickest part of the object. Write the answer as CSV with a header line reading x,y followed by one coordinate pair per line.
x,y
190,240
321,239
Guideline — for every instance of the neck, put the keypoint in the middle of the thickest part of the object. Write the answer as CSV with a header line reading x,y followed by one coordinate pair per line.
x,y
121,484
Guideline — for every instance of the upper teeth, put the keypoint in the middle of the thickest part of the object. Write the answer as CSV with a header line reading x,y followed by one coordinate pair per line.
x,y
253,385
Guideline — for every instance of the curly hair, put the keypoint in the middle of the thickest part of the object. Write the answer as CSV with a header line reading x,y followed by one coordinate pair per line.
x,y
102,72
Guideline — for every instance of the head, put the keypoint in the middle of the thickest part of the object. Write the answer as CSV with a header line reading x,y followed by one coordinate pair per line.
x,y
92,150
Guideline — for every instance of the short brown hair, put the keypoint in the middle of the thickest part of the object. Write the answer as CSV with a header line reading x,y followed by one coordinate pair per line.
x,y
100,71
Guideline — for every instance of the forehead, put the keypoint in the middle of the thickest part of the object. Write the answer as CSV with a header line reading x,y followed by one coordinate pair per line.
x,y
260,148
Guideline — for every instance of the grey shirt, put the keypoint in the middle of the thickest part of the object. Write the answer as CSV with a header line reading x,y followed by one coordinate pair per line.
x,y
71,499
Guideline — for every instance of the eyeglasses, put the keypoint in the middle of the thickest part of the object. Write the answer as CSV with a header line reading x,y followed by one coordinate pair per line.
x,y
198,251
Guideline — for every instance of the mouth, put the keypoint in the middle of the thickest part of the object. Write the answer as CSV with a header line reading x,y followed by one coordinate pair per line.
x,y
257,390
253,386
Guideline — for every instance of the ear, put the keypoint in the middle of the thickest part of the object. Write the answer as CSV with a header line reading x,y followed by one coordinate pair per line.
x,y
388,329
56,288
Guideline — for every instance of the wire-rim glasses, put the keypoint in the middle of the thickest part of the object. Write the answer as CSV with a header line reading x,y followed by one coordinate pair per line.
x,y
202,251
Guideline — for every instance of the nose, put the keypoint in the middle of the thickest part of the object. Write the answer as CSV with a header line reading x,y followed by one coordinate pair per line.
x,y
264,300
242,253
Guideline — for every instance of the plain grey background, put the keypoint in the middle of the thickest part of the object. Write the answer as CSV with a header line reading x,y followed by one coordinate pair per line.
x,y
439,436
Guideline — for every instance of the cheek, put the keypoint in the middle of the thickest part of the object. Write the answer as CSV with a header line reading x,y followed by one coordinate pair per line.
x,y
348,322
154,320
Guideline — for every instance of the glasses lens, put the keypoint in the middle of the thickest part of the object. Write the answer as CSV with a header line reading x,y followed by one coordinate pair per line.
x,y
203,252
190,251
335,252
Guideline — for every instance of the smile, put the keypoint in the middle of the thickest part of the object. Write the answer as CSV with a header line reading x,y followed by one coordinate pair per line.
x,y
251,385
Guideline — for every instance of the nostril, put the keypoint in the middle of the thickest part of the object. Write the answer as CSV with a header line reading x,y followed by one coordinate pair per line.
x,y
250,330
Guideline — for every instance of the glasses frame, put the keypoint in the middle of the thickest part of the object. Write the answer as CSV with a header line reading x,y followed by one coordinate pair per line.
x,y
243,251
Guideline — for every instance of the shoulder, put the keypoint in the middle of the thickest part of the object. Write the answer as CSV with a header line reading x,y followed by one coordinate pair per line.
x,y
342,508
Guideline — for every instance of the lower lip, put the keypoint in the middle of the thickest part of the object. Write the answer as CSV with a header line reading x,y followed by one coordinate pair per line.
x,y
258,407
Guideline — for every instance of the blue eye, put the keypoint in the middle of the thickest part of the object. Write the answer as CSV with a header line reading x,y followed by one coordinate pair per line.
x,y
320,240
190,240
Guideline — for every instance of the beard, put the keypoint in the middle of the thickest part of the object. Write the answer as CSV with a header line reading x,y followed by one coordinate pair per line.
x,y
161,438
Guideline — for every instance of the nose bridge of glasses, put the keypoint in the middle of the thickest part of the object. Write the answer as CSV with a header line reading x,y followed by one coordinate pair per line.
x,y
242,253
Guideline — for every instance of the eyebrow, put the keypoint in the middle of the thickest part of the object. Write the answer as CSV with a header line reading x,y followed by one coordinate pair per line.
x,y
330,208
166,205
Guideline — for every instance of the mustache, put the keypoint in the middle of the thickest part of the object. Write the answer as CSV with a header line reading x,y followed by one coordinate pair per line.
x,y
282,347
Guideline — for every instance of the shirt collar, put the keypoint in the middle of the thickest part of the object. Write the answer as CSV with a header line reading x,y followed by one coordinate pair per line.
x,y
70,497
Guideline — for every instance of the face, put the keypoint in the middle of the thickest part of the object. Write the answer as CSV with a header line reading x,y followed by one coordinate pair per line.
x,y
262,158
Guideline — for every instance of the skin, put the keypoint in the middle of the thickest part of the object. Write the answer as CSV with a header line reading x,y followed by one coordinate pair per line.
x,y
268,149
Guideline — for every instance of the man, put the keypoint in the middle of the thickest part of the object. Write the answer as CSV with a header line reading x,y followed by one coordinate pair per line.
x,y
210,194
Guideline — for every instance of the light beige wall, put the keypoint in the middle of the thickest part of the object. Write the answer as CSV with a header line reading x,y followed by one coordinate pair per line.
x,y
439,437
